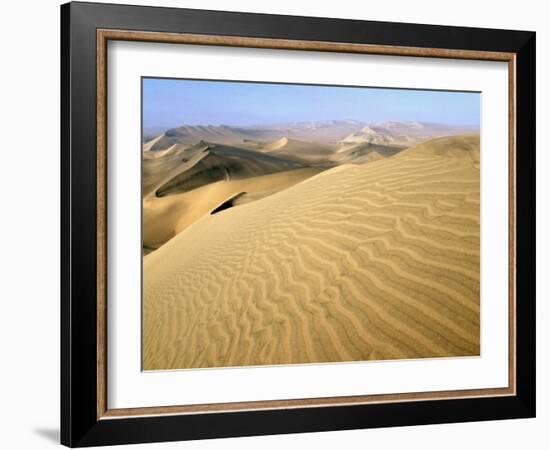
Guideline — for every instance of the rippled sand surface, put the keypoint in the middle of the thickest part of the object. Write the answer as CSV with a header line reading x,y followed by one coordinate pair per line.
x,y
357,262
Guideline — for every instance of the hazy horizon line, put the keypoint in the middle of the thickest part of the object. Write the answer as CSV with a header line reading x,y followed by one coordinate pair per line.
x,y
298,122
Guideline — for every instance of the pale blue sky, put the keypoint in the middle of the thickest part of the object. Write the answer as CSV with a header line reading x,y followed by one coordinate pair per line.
x,y
172,102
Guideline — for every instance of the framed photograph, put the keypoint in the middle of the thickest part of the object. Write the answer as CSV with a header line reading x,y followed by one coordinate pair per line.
x,y
277,224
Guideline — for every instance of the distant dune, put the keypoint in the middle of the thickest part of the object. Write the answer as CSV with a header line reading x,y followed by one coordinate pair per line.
x,y
364,152
405,134
207,163
354,262
328,132
191,134
296,150
150,144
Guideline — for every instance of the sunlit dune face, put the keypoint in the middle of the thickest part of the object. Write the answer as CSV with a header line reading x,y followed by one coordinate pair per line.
x,y
362,251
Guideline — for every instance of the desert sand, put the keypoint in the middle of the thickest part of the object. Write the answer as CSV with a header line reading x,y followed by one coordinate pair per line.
x,y
181,185
289,264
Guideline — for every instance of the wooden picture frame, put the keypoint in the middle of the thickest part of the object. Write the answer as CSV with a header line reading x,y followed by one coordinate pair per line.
x,y
86,418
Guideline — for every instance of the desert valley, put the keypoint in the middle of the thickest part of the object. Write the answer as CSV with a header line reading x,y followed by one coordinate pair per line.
x,y
310,242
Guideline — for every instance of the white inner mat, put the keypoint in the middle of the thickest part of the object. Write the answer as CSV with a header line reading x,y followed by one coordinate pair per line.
x,y
129,387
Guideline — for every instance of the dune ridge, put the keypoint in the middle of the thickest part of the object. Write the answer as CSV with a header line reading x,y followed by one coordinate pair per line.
x,y
321,132
186,183
165,217
356,262
213,162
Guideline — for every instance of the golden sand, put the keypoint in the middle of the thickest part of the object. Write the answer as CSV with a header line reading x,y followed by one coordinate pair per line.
x,y
359,262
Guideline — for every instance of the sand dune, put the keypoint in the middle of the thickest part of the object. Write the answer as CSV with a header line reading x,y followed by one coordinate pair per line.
x,y
327,154
358,262
181,168
328,132
405,134
164,217
319,131
191,134
186,182
149,144
463,148
159,166
296,150
208,163
362,152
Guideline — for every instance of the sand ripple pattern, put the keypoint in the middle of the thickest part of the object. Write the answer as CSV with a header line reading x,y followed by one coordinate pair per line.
x,y
360,262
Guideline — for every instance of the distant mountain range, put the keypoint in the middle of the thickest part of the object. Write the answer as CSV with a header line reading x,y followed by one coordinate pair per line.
x,y
331,132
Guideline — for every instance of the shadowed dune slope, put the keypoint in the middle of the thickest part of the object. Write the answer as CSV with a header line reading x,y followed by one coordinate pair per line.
x,y
359,262
159,166
331,130
189,134
213,162
164,217
186,183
